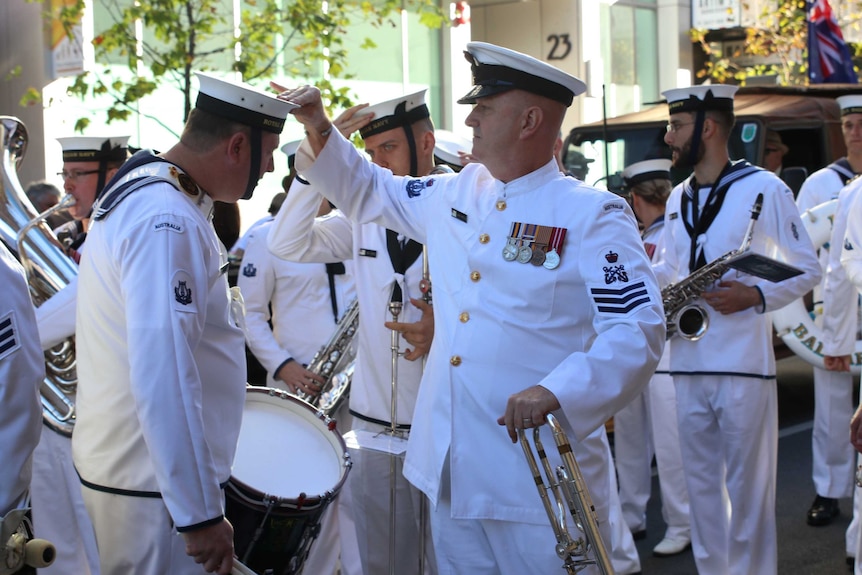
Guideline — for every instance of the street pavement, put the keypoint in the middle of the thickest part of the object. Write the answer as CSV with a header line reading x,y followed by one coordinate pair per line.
x,y
802,550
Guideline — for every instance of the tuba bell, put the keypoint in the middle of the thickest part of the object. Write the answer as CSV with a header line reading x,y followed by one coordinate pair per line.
x,y
49,269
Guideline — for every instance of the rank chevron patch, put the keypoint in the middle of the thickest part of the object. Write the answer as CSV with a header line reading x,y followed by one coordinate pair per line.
x,y
622,300
8,335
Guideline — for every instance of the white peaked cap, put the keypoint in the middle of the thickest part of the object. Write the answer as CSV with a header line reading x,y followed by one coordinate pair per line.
x,y
290,148
850,104
497,70
394,113
94,148
647,170
242,103
448,144
702,97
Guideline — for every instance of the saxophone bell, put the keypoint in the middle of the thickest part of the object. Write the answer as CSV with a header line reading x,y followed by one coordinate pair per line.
x,y
570,491
689,323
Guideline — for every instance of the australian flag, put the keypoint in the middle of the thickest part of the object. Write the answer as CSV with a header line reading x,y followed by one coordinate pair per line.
x,y
829,58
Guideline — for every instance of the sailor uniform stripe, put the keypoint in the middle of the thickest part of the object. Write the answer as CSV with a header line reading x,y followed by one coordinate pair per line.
x,y
627,309
621,300
8,340
620,291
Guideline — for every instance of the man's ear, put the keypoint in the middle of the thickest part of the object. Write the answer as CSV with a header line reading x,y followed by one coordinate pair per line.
x,y
428,142
531,120
236,146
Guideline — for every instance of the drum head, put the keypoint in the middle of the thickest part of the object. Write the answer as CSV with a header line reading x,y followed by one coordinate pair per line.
x,y
285,449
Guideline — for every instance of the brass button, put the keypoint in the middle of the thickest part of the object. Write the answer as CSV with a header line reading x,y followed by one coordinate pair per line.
x,y
455,360
501,205
464,317
475,276
484,239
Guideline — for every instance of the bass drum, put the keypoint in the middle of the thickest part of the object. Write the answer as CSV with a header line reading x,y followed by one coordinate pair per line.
x,y
290,465
793,323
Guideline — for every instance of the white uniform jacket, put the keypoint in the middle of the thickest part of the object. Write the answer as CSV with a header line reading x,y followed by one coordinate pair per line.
x,y
297,235
653,237
301,304
22,368
851,254
745,335
161,371
590,330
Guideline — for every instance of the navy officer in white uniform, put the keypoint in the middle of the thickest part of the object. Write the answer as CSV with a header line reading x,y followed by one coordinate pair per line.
x,y
544,301
725,381
161,373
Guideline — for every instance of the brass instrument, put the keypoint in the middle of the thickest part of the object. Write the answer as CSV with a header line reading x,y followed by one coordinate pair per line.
x,y
335,362
569,484
17,548
683,316
48,269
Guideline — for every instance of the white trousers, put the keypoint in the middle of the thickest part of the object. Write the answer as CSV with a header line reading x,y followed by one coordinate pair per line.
x,y
136,535
832,455
370,486
59,514
729,450
623,551
633,450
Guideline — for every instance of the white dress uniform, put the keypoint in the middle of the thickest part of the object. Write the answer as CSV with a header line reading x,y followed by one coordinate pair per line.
x,y
649,425
297,235
22,368
161,389
725,382
502,326
832,455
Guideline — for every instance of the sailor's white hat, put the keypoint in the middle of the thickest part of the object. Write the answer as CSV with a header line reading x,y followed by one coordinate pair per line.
x,y
94,148
497,69
448,144
702,97
394,113
850,104
646,170
290,148
242,103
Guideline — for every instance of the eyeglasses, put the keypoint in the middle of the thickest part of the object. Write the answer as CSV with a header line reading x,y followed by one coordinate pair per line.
x,y
677,126
75,174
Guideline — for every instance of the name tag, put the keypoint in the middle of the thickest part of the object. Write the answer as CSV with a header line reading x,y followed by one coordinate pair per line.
x,y
367,253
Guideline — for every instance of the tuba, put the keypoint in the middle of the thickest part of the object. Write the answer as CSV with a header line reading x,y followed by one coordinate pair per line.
x,y
48,269
682,315
335,362
578,553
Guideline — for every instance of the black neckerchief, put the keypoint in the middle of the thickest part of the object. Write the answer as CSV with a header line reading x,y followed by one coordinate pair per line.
x,y
700,222
844,170
401,258
332,270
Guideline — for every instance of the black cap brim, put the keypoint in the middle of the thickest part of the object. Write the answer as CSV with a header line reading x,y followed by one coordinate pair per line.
x,y
481,91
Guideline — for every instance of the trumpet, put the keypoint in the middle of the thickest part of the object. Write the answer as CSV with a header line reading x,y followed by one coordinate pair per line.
x,y
567,483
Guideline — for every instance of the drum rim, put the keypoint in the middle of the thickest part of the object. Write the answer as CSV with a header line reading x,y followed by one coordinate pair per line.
x,y
316,499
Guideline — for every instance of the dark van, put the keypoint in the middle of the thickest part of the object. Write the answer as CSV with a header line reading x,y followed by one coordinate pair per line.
x,y
807,118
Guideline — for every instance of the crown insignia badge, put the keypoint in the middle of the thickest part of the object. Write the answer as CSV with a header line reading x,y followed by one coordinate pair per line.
x,y
611,256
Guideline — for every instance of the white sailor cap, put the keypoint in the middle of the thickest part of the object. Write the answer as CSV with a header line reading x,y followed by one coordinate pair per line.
x,y
497,69
242,103
717,97
646,170
448,144
401,111
850,104
289,150
94,148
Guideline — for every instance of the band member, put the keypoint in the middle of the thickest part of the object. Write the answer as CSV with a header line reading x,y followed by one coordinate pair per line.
x,y
506,237
399,135
161,374
647,425
832,457
89,162
725,381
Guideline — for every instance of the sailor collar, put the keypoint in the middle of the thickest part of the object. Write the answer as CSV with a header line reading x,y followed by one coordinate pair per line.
x,y
529,182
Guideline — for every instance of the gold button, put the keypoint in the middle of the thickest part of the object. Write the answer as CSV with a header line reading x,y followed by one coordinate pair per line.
x,y
501,205
475,276
484,239
464,317
455,360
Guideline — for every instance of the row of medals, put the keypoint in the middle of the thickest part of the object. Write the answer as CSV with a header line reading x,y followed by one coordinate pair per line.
x,y
534,255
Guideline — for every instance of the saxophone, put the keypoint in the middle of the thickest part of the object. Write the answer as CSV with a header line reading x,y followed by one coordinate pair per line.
x,y
685,317
335,362
48,269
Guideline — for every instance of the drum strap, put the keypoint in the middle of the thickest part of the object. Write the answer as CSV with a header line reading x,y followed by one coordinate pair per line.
x,y
402,426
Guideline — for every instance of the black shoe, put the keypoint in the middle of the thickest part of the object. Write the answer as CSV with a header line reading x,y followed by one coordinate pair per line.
x,y
851,563
822,511
638,535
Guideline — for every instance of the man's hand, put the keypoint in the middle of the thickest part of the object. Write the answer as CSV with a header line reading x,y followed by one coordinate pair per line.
x,y
419,334
836,362
528,409
212,546
856,429
732,296
310,112
297,378
348,122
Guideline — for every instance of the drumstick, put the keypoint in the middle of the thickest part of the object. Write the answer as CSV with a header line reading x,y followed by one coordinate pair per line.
x,y
240,569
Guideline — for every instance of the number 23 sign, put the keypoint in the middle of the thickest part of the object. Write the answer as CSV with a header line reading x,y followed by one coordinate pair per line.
x,y
560,46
